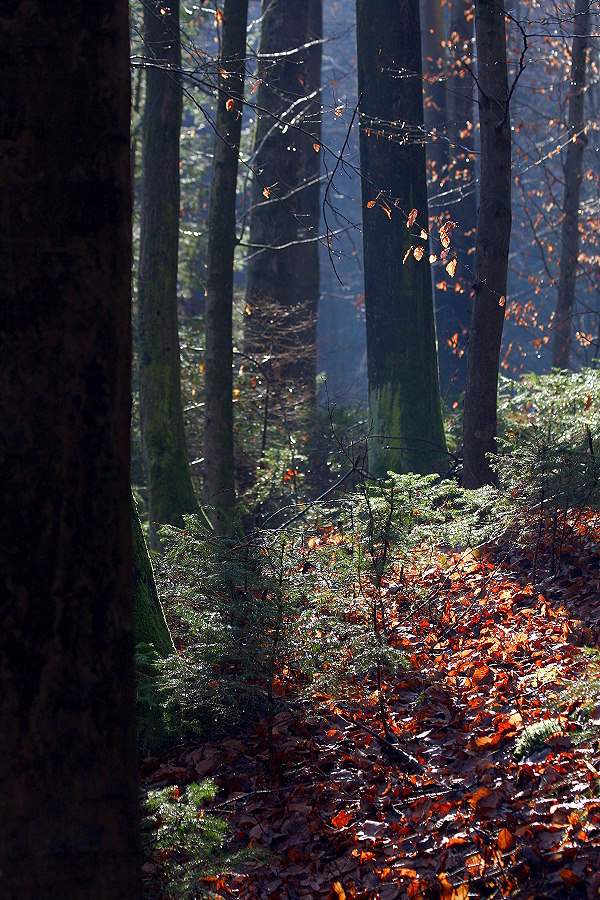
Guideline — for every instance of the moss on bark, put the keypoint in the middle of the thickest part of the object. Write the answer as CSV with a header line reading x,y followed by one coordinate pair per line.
x,y
149,623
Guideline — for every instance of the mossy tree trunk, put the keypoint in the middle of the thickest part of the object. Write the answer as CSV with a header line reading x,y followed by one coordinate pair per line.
x,y
453,309
491,248
404,399
219,489
170,487
68,793
572,178
149,623
274,326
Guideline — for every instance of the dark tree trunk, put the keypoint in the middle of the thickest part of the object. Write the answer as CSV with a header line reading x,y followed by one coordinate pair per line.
x,y
453,309
572,175
219,487
404,399
308,267
170,488
275,324
492,243
68,793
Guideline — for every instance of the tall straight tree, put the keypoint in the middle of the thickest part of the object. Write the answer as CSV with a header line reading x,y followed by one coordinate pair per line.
x,y
68,793
218,395
308,267
404,398
163,439
572,179
453,309
491,247
275,323
433,35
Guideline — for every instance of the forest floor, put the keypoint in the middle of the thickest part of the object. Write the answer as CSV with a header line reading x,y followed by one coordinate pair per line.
x,y
447,810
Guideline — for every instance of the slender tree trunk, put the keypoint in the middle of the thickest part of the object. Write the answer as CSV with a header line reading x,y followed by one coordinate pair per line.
x,y
434,90
492,244
404,399
163,439
68,792
308,267
218,395
453,309
572,175
275,226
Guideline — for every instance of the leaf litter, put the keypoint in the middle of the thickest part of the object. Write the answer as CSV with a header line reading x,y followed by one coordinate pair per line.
x,y
336,807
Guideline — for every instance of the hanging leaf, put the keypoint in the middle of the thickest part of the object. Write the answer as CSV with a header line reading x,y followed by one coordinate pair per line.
x,y
370,204
412,216
432,258
445,232
407,254
502,301
423,234
451,267
229,105
387,212
418,253
316,147
266,192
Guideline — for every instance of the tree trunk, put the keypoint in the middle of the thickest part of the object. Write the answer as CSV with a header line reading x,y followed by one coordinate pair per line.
x,y
572,175
453,309
149,623
219,487
275,324
434,90
492,244
170,488
404,400
68,792
308,266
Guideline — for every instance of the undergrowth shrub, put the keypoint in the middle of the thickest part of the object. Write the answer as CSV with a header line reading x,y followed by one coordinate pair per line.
x,y
300,609
549,459
262,622
580,701
185,842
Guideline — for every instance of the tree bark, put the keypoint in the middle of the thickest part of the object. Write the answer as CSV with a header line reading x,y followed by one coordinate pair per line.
x,y
404,400
163,439
453,308
68,792
272,328
219,486
492,244
572,175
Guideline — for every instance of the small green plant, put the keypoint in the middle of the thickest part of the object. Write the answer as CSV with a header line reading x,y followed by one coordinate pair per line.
x,y
581,700
185,842
534,737
550,450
